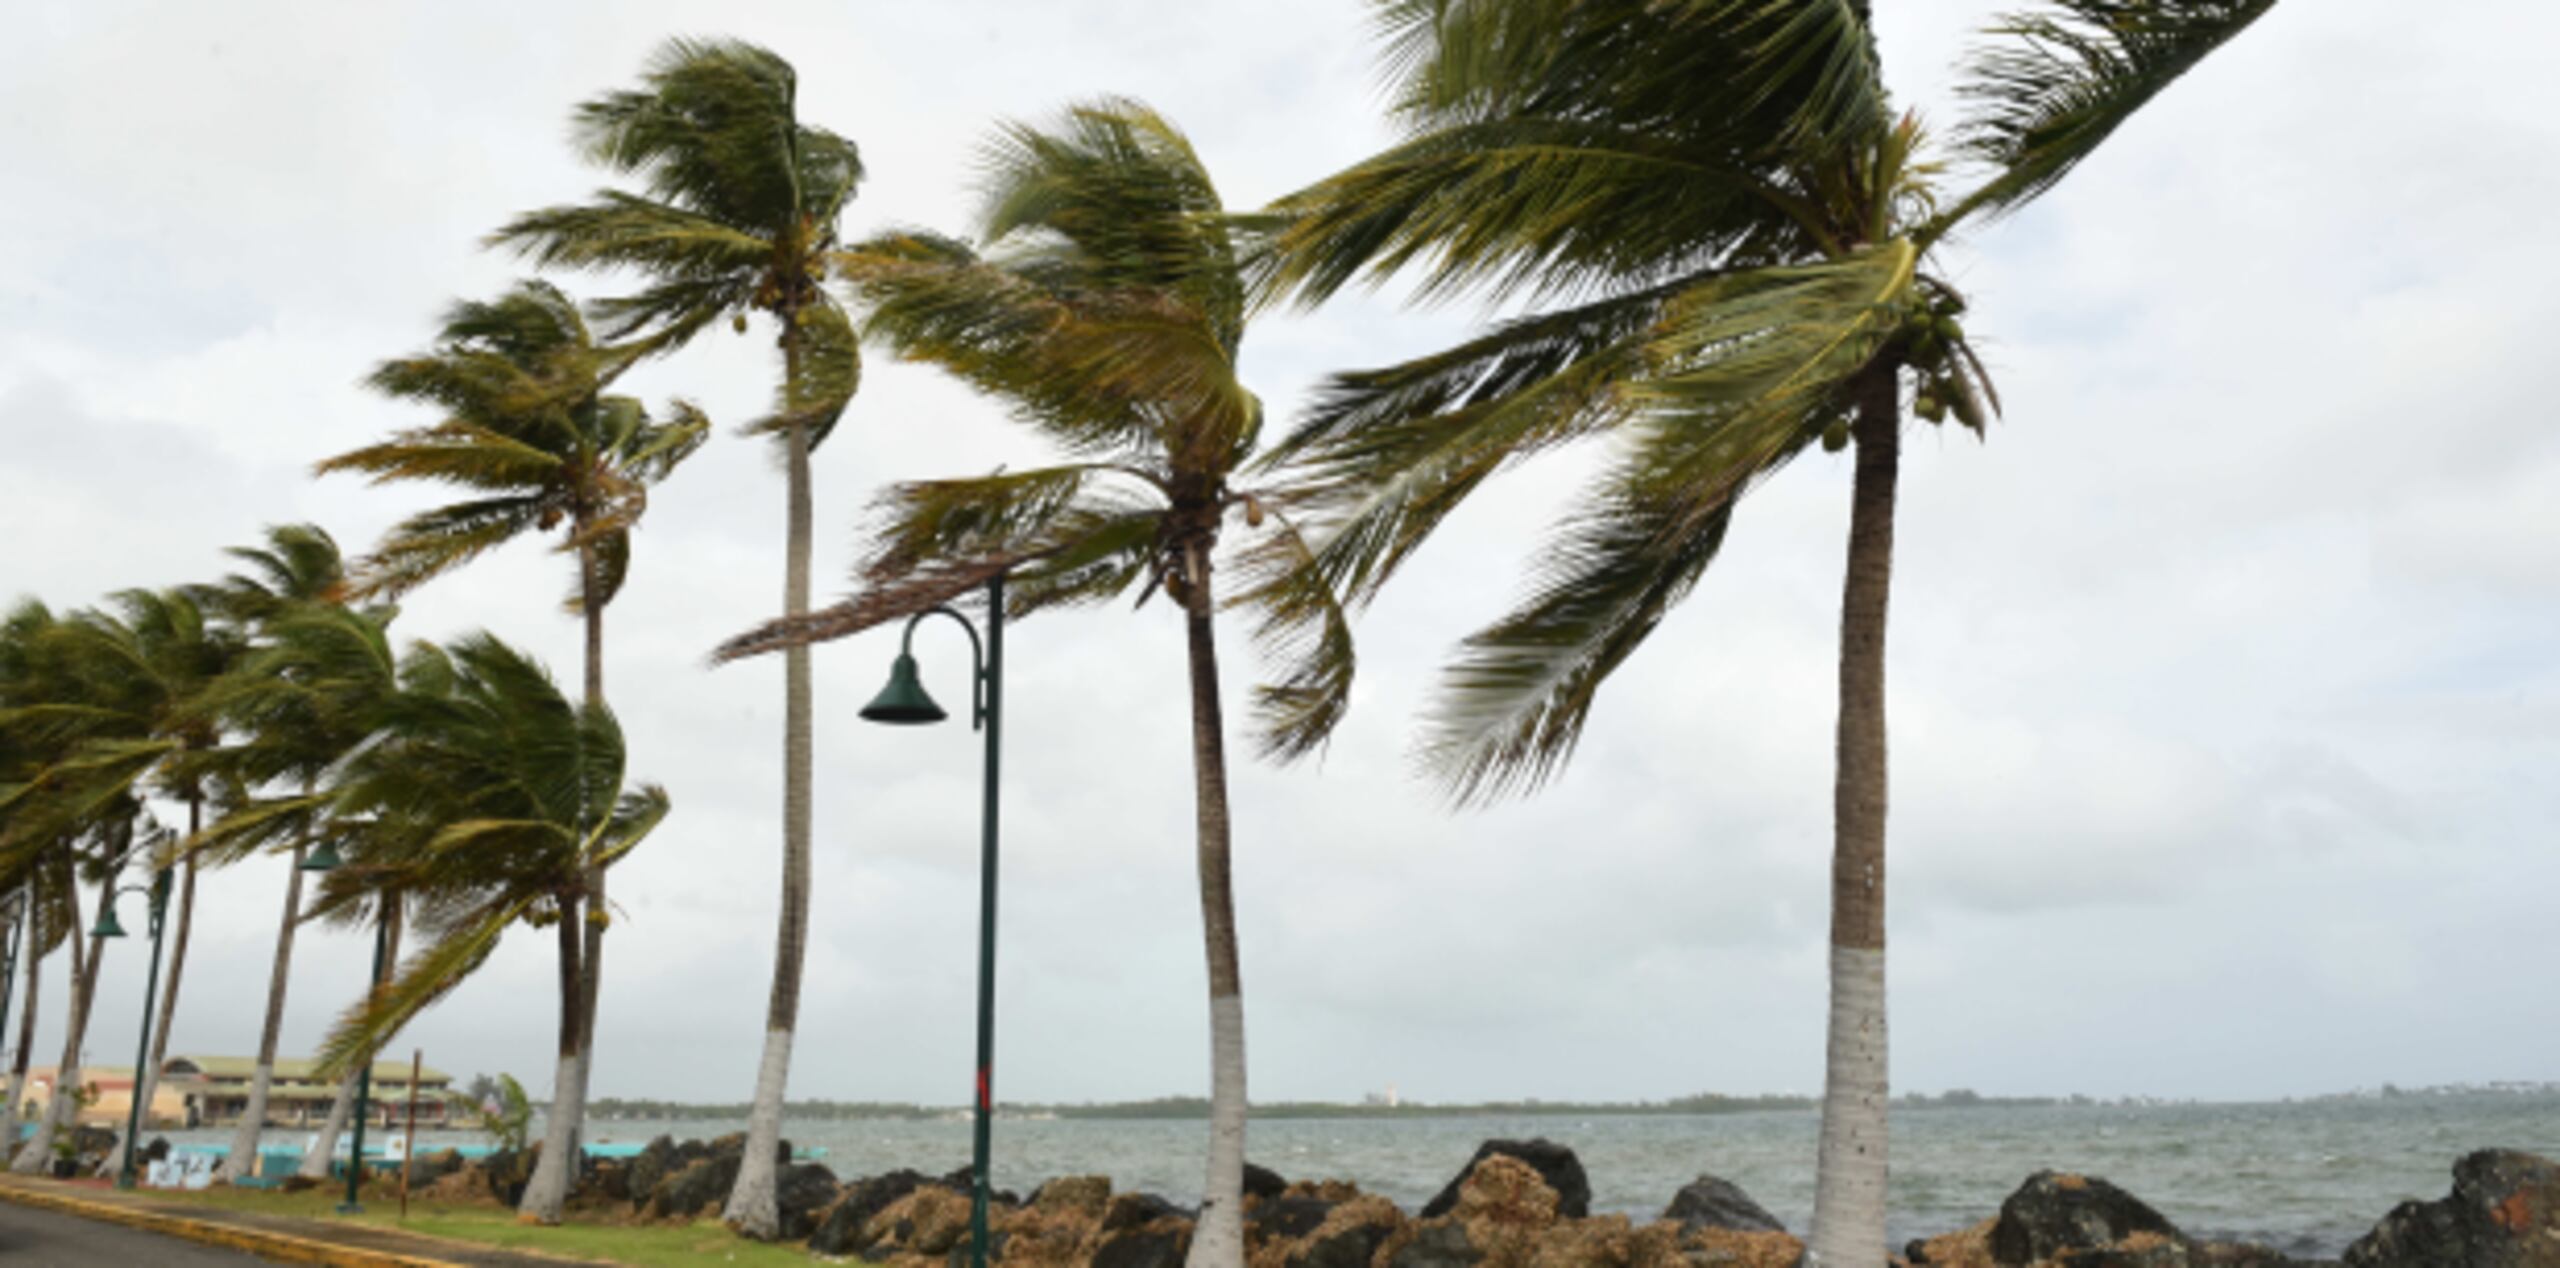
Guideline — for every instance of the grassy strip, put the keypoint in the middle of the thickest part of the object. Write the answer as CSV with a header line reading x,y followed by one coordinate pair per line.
x,y
649,1245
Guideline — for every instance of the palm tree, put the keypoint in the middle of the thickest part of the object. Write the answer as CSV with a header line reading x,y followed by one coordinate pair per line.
x,y
124,712
298,703
1107,312
738,215
495,800
530,430
1731,237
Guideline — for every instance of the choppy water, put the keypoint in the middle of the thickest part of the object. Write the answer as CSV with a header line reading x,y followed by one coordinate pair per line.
x,y
2305,1178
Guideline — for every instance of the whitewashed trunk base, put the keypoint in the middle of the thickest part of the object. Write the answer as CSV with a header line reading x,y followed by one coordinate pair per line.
x,y
1849,1188
751,1208
9,1114
324,1150
38,1153
242,1162
1218,1239
548,1190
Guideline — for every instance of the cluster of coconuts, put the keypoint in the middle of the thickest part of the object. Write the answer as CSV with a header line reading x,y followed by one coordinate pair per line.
x,y
1934,335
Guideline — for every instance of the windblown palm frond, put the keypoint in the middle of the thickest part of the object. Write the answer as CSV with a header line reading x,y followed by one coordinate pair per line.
x,y
2054,82
1106,311
489,799
529,424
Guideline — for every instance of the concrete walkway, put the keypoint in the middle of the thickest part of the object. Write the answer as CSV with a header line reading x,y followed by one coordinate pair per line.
x,y
279,1238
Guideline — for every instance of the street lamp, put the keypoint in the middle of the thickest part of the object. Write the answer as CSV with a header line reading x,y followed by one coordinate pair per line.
x,y
109,927
324,859
904,703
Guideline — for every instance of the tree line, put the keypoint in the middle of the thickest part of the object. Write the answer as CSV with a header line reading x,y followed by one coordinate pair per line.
x,y
1730,243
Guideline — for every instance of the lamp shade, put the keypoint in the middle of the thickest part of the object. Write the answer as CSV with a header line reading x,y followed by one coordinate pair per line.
x,y
108,926
322,859
903,702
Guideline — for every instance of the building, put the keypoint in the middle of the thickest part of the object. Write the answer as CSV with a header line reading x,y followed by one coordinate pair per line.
x,y
113,1086
215,1092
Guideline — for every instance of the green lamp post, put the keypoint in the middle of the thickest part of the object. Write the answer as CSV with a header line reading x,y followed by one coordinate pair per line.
x,y
904,703
109,927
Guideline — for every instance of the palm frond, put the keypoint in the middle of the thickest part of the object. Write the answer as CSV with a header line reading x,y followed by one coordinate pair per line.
x,y
2056,81
830,373
457,952
1547,206
433,542
1301,628
1513,703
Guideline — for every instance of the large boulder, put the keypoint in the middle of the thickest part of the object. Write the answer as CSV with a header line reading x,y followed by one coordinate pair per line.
x,y
2054,1212
1263,1182
800,1195
1348,1235
1502,1207
427,1168
1552,1162
647,1167
2504,1212
1088,1194
1133,1210
697,1189
929,1221
845,1227
1162,1244
1715,1202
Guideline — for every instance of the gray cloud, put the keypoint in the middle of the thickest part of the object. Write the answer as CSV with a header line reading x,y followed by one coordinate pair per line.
x,y
2224,699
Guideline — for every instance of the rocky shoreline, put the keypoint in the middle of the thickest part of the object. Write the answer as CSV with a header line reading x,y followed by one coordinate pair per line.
x,y
1516,1204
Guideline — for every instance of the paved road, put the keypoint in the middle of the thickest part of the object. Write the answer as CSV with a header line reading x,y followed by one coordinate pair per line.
x,y
30,1238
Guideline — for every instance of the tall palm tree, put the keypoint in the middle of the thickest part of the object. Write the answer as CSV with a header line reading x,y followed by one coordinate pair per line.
x,y
1731,240
737,216
497,800
299,703
1107,312
531,431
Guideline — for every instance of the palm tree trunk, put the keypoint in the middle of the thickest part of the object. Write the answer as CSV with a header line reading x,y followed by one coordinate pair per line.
x,y
1218,1241
1849,1190
147,1081
548,1190
751,1207
27,951
592,954
60,1108
242,1162
324,1148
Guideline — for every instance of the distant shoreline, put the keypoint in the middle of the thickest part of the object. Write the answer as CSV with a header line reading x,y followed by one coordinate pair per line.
x,y
1183,1108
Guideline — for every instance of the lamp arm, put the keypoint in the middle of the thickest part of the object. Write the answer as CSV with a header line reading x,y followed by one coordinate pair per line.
x,y
977,658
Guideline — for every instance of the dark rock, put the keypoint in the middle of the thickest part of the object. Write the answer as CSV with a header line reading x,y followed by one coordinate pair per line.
x,y
1353,1247
1437,1246
298,1183
1155,1246
2504,1212
840,1232
648,1167
2052,1213
961,1257
1288,1217
605,1178
1134,1210
1263,1182
964,1181
801,1194
1714,1202
427,1168
1553,1162
157,1150
689,1192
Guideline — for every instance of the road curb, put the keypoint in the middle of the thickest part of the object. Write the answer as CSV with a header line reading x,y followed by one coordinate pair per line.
x,y
281,1247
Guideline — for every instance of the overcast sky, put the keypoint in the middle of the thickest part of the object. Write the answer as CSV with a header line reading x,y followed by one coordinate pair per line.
x,y
2224,691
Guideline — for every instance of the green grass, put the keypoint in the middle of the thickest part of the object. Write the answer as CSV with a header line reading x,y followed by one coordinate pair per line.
x,y
653,1245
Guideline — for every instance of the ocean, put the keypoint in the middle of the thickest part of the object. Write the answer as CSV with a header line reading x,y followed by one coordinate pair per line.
x,y
2306,1177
